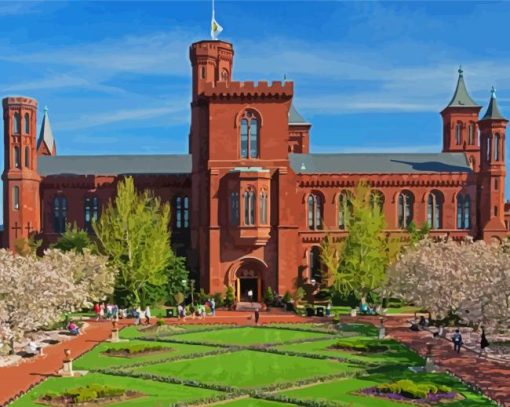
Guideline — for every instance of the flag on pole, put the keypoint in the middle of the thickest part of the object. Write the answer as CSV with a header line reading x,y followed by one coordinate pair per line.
x,y
215,27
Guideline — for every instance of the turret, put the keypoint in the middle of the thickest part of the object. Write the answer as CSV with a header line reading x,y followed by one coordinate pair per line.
x,y
460,128
492,172
20,177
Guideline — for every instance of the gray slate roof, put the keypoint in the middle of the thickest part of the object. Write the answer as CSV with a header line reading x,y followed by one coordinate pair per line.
x,y
461,96
493,112
378,163
295,117
115,164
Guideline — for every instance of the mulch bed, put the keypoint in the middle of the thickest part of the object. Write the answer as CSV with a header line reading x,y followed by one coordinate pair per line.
x,y
124,354
68,401
432,399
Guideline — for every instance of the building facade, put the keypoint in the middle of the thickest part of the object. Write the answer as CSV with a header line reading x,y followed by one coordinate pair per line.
x,y
250,202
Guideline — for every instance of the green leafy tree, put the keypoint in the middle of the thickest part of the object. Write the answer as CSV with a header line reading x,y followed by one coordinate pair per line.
x,y
416,234
269,296
331,251
365,255
74,239
133,233
229,296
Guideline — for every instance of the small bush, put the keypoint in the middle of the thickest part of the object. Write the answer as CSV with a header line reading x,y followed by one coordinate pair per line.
x,y
160,322
135,349
373,346
410,389
85,395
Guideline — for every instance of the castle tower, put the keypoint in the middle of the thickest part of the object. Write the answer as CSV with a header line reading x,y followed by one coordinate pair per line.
x,y
492,172
460,124
20,177
46,143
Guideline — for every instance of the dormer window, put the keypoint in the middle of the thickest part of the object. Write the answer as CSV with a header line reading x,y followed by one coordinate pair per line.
x,y
249,134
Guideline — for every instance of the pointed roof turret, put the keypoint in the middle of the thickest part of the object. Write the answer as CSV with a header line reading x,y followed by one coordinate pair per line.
x,y
46,134
493,112
461,96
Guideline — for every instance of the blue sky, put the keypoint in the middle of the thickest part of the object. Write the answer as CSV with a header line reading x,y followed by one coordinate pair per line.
x,y
370,76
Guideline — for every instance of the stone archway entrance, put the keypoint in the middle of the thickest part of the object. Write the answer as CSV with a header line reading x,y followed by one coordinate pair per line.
x,y
248,281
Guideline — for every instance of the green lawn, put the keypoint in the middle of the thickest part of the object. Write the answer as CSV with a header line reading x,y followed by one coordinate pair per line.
x,y
157,394
398,353
249,336
247,369
96,358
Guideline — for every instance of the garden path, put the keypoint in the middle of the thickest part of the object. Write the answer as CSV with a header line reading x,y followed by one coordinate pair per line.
x,y
492,377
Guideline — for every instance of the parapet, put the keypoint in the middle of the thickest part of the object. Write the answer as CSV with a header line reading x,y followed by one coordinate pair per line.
x,y
18,101
248,88
211,49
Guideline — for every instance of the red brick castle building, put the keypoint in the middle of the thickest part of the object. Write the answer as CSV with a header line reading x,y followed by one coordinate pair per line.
x,y
250,202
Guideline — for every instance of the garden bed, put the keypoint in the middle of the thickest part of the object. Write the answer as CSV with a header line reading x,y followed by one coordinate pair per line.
x,y
411,392
93,394
361,347
135,351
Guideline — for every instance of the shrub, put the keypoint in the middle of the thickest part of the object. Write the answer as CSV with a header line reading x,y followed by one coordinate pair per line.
x,y
229,296
85,395
373,346
218,299
286,297
410,389
269,296
135,349
179,298
160,322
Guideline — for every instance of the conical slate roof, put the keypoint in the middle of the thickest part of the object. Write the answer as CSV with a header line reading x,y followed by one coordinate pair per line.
x,y
295,117
46,134
493,112
461,96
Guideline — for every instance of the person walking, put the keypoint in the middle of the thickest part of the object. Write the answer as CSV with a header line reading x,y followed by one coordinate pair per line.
x,y
147,315
97,310
457,341
213,307
138,315
257,316
484,343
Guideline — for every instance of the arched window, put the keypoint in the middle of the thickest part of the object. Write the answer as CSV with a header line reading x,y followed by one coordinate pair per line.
x,y
458,134
314,212
181,205
59,214
344,210
471,134
377,200
224,75
234,208
249,207
15,197
27,157
405,209
263,208
91,212
488,149
496,147
27,123
463,212
17,157
435,209
16,124
249,135
315,264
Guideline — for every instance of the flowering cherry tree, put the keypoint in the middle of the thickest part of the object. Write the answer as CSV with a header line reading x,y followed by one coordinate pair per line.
x,y
470,279
36,291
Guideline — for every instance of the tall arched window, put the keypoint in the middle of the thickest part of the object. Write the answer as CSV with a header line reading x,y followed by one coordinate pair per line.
x,y
15,197
405,209
27,157
249,207
471,134
435,209
59,214
377,200
234,208
249,134
16,124
315,264
181,204
17,157
496,147
458,134
344,209
263,208
463,212
314,212
488,149
27,123
91,212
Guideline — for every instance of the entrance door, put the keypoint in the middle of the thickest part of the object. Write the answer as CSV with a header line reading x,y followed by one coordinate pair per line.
x,y
245,286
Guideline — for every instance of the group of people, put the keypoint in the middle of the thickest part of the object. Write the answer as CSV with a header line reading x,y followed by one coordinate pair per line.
x,y
106,311
197,310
